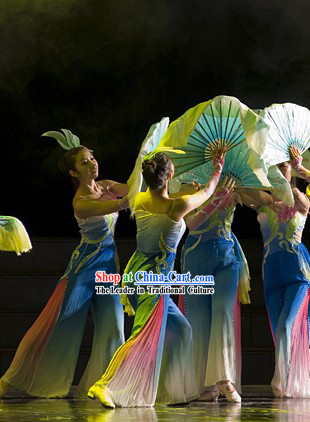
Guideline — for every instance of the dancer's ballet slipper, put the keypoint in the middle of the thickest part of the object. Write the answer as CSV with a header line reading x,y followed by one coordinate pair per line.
x,y
4,387
209,396
102,394
229,391
276,392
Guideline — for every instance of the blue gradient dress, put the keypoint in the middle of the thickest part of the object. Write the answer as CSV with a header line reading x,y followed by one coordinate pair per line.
x,y
212,249
46,358
286,273
155,363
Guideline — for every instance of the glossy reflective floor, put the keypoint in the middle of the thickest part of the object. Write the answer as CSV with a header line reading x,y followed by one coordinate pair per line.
x,y
256,406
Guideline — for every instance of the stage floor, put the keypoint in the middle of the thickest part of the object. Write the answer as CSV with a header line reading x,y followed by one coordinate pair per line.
x,y
257,405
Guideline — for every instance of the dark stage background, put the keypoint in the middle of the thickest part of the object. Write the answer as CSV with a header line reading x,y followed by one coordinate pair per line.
x,y
108,69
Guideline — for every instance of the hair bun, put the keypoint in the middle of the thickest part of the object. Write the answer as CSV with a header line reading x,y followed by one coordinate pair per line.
x,y
151,165
156,170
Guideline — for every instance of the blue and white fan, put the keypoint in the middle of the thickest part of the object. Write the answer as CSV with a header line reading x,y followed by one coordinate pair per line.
x,y
289,125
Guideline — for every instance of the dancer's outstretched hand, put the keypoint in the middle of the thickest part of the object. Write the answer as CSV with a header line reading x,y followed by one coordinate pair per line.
x,y
196,186
295,154
224,190
228,185
218,151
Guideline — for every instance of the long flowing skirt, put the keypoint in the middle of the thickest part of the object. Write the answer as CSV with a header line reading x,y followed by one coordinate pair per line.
x,y
286,289
155,363
46,358
215,319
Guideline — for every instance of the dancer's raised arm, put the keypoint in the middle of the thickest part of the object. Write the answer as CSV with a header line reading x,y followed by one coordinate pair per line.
x,y
193,221
116,188
187,203
93,207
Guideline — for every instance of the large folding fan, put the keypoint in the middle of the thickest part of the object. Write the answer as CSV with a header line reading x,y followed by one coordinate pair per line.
x,y
289,125
149,144
13,235
226,121
147,150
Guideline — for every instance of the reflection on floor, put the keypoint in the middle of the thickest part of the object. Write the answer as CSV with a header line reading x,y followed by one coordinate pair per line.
x,y
256,406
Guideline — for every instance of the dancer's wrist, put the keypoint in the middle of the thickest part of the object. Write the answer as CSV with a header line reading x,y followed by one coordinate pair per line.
x,y
218,163
296,162
216,200
302,171
221,193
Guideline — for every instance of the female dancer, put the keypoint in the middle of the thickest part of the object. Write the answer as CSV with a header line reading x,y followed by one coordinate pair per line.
x,y
212,248
286,274
156,361
46,358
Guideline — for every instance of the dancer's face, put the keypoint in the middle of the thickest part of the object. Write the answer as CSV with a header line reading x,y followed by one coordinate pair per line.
x,y
86,166
286,169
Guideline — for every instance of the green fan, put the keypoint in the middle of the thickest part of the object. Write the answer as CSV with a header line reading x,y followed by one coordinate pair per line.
x,y
13,235
226,121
